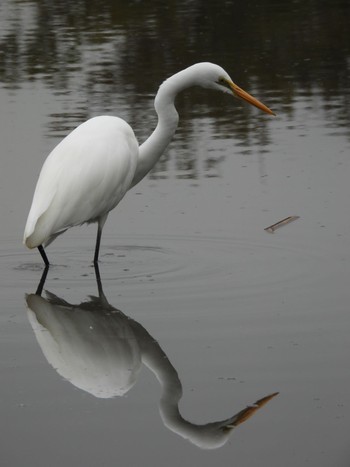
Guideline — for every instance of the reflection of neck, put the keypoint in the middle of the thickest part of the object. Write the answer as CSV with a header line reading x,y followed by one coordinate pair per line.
x,y
208,436
211,435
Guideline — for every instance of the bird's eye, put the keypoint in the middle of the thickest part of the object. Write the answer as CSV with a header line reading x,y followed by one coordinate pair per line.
x,y
223,82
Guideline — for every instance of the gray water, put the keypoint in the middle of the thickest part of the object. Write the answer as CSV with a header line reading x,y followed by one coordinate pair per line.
x,y
202,311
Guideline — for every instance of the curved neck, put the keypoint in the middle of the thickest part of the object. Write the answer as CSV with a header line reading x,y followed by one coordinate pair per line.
x,y
168,118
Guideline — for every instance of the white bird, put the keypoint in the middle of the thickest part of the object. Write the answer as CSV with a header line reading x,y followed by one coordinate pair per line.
x,y
90,170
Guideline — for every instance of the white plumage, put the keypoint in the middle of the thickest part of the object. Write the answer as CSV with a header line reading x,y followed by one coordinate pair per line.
x,y
82,179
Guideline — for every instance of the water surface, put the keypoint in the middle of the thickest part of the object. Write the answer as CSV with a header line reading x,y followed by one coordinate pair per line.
x,y
203,312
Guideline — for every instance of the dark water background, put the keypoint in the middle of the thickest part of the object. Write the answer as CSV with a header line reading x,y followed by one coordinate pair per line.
x,y
235,313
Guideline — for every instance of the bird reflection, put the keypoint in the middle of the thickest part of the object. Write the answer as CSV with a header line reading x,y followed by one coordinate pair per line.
x,y
100,350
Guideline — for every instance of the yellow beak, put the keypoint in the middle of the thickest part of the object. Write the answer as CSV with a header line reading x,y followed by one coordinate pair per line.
x,y
237,91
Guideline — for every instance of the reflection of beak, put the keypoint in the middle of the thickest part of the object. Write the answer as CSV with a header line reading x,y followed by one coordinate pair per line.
x,y
246,413
237,91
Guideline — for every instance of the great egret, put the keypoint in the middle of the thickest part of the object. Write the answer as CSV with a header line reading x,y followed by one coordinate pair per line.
x,y
91,169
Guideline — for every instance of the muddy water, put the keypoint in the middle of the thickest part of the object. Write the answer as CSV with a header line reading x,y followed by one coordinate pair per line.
x,y
199,312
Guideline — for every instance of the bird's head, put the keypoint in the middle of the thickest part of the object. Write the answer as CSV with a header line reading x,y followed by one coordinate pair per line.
x,y
209,75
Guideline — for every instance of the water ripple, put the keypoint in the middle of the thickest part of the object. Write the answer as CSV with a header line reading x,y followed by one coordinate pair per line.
x,y
182,265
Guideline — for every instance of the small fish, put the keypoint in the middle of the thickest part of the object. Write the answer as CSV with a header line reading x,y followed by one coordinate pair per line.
x,y
281,223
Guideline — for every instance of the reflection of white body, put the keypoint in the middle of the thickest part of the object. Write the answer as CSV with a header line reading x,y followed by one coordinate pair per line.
x,y
89,171
96,352
99,349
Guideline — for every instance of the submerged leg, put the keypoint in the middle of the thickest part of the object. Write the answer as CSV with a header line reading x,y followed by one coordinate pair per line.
x,y
43,255
100,225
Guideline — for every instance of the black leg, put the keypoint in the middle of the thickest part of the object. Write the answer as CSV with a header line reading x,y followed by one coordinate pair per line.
x,y
100,224
98,242
43,255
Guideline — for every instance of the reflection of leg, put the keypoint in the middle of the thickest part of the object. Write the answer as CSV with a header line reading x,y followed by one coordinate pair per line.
x,y
98,279
42,280
101,294
43,255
